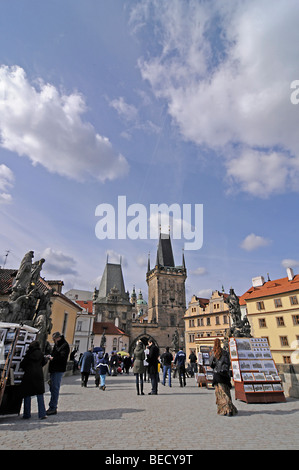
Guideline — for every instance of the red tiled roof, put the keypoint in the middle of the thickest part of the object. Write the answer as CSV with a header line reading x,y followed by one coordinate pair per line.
x,y
271,288
110,329
86,304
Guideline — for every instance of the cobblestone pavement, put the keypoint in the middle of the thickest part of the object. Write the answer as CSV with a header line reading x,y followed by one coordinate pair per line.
x,y
176,419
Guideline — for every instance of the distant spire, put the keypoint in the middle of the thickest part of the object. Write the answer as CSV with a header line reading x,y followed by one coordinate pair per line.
x,y
148,262
183,260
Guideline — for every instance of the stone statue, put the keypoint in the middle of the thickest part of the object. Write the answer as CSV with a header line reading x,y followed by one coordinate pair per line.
x,y
22,279
175,341
239,327
27,303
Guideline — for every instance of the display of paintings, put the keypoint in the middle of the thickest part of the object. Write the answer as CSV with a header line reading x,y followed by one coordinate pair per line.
x,y
7,336
236,371
248,377
259,376
243,343
245,365
251,361
256,365
277,387
233,351
268,388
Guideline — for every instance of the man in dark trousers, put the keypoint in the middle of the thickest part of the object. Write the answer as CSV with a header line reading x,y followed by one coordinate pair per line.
x,y
57,367
166,359
180,360
152,360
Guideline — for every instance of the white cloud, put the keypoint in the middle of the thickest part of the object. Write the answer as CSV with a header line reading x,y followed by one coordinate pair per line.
x,y
200,271
290,263
46,125
57,263
128,111
225,69
253,242
6,182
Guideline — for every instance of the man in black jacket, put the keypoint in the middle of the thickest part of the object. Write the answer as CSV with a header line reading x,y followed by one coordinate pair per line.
x,y
152,360
166,359
57,367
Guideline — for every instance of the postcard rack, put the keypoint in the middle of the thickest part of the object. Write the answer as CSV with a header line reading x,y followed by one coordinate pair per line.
x,y
14,342
254,371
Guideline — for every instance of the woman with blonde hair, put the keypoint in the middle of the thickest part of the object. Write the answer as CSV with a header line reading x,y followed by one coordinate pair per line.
x,y
220,363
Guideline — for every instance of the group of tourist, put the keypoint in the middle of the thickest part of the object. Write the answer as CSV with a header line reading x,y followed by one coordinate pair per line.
x,y
144,360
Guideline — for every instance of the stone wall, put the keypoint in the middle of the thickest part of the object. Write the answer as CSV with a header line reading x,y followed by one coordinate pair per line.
x,y
289,374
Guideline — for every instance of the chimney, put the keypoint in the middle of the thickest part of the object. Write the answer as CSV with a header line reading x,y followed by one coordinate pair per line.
x,y
258,281
290,274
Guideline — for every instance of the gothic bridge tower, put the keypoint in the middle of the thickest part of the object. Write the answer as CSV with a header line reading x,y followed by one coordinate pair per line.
x,y
166,296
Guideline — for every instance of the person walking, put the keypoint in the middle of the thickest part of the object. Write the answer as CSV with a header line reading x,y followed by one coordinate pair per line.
x,y
57,367
103,368
153,360
87,362
166,359
193,365
33,382
138,366
220,363
145,363
113,363
179,361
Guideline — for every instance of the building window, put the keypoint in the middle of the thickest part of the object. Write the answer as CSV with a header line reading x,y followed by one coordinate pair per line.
x,y
262,323
225,321
277,303
217,321
284,341
280,321
286,359
201,322
208,322
295,319
294,300
79,326
260,305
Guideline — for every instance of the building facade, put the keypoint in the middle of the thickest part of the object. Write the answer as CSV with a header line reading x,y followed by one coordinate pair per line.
x,y
205,319
273,312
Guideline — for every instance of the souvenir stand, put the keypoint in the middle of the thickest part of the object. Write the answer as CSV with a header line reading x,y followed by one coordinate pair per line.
x,y
14,342
205,372
254,371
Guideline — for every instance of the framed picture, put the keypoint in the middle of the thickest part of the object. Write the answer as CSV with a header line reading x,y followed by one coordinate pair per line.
x,y
22,337
269,378
267,388
267,354
245,365
248,377
30,337
3,332
277,387
233,351
269,365
236,371
258,388
259,376
19,350
256,365
248,388
10,336
243,343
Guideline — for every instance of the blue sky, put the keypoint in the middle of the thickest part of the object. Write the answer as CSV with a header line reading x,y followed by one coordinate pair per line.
x,y
184,102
